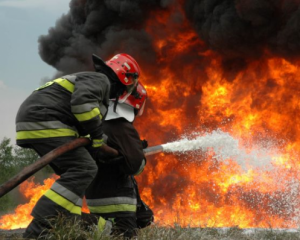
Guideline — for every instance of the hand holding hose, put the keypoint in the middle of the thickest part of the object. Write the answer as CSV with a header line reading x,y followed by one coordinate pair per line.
x,y
101,151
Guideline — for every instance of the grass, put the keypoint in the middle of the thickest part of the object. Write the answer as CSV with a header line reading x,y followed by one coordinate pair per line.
x,y
72,230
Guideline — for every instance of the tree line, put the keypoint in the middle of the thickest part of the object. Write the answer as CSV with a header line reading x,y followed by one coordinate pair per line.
x,y
12,160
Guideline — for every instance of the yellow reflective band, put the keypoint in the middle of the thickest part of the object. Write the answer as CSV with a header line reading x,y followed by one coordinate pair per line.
x,y
113,208
98,142
47,133
47,84
61,201
65,84
88,115
101,224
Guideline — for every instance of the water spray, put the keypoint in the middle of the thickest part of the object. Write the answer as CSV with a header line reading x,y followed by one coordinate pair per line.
x,y
223,147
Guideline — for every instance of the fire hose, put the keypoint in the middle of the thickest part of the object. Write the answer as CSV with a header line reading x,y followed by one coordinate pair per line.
x,y
28,171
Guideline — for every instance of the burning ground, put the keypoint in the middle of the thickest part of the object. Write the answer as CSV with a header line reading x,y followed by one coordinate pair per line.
x,y
208,65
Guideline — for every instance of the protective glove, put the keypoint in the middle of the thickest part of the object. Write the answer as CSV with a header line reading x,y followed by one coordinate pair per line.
x,y
100,151
103,153
99,142
144,143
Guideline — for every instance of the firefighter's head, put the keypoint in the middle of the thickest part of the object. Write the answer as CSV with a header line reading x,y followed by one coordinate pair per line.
x,y
123,72
133,106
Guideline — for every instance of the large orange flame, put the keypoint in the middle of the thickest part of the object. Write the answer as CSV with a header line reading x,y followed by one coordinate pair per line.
x,y
258,106
21,216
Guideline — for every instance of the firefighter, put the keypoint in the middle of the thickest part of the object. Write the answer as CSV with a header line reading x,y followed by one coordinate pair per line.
x,y
62,110
113,195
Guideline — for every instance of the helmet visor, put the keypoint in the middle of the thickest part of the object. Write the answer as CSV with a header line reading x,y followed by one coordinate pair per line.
x,y
129,90
141,111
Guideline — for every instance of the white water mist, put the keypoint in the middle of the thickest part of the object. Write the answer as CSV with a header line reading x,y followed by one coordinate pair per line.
x,y
224,147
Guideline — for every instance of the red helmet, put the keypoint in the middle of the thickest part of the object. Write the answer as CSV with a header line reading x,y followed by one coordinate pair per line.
x,y
120,67
126,68
138,99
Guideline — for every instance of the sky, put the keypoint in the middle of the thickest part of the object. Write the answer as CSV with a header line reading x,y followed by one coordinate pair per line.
x,y
21,68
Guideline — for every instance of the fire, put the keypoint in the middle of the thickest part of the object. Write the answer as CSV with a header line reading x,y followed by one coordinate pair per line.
x,y
259,106
21,216
32,191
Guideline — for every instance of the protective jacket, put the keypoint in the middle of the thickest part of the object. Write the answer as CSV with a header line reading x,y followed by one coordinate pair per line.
x,y
69,106
113,192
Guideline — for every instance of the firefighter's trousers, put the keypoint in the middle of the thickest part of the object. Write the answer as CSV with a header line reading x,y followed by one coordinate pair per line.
x,y
76,169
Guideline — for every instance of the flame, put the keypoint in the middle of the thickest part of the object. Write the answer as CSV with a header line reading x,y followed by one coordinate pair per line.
x,y
258,106
21,216
31,191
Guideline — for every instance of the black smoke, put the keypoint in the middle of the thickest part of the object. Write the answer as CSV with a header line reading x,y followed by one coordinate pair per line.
x,y
240,31
100,27
247,28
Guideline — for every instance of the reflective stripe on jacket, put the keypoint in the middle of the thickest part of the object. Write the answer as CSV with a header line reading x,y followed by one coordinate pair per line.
x,y
47,129
69,106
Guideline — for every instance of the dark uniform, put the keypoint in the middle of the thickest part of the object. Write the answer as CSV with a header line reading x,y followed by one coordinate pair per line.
x,y
113,194
53,114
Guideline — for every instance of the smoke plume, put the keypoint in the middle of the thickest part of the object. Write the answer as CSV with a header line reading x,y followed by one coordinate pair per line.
x,y
101,27
247,28
238,30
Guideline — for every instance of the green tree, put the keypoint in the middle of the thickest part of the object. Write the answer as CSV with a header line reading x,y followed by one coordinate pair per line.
x,y
6,159
7,169
12,160
24,157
